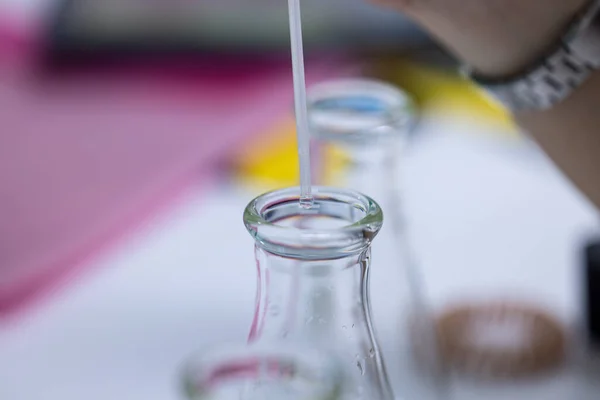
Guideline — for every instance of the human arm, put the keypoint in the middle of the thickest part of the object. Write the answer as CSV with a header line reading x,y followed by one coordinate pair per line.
x,y
502,37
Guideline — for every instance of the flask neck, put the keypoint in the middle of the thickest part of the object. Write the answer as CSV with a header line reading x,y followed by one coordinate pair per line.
x,y
325,303
372,168
306,300
313,277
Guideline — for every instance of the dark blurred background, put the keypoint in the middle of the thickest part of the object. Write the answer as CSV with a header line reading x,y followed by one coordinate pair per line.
x,y
227,26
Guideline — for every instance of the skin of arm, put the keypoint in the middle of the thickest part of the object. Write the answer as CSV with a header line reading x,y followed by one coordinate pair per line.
x,y
502,37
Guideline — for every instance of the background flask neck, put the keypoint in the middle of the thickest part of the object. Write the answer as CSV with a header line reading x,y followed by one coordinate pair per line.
x,y
371,169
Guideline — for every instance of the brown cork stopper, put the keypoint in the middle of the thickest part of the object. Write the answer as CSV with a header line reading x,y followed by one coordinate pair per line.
x,y
500,340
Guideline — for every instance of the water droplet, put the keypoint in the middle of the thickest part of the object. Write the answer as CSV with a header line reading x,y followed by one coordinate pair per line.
x,y
360,391
307,202
344,327
274,310
309,320
359,394
361,366
372,352
321,321
353,325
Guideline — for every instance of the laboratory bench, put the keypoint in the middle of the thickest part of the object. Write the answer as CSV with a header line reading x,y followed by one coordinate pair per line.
x,y
480,204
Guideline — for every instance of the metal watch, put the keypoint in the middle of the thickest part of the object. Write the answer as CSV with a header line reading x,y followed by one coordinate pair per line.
x,y
553,78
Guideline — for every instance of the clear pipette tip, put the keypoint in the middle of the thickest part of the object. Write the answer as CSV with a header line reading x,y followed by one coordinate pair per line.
x,y
307,202
306,198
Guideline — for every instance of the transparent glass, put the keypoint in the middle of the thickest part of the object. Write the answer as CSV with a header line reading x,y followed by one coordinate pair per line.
x,y
264,373
367,124
313,278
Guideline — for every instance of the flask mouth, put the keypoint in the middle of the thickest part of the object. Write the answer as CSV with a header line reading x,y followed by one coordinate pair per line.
x,y
263,372
360,111
340,223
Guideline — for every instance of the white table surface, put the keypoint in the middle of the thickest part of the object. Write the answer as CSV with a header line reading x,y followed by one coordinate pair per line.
x,y
492,210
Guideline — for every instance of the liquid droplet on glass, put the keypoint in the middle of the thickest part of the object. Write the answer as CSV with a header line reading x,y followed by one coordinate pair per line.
x,y
344,327
372,352
360,391
361,367
307,202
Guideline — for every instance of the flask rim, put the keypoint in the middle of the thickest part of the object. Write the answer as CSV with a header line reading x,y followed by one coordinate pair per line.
x,y
363,215
401,115
206,371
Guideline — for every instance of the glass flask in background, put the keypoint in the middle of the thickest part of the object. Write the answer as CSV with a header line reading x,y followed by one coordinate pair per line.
x,y
313,278
369,124
264,373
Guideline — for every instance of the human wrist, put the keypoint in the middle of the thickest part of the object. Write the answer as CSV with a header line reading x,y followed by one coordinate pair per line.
x,y
554,76
495,37
523,41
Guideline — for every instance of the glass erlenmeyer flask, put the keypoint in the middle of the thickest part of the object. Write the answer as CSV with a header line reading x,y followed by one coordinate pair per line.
x,y
369,123
273,372
313,286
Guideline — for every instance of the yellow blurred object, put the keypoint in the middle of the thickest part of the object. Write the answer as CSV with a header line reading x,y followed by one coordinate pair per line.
x,y
271,161
441,92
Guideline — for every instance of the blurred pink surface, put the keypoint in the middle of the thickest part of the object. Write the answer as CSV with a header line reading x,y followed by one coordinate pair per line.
x,y
84,158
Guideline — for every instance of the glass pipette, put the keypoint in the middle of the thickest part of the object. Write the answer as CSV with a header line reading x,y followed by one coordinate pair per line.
x,y
306,198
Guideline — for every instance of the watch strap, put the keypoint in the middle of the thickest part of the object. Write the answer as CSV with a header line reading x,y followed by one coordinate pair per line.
x,y
560,72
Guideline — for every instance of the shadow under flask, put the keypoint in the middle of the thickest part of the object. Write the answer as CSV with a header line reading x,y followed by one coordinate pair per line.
x,y
367,124
313,278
